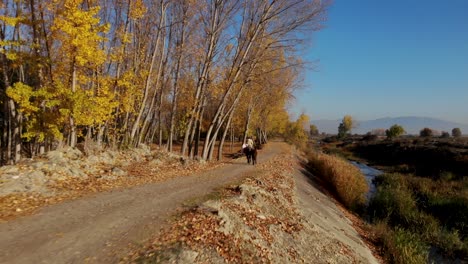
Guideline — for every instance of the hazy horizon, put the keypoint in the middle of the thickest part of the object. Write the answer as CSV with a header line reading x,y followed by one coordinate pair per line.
x,y
400,58
387,117
411,124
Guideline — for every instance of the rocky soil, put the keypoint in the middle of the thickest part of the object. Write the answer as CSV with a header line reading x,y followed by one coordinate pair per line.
x,y
67,173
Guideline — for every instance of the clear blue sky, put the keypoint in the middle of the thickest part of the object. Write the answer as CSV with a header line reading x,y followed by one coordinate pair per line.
x,y
388,59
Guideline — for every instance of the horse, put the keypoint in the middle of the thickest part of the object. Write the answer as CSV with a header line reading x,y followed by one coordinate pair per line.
x,y
251,154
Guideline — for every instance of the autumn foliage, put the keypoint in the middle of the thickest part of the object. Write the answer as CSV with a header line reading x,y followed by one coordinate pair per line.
x,y
122,73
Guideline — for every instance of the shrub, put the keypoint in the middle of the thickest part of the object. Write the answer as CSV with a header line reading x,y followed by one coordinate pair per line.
x,y
426,132
396,204
347,180
400,245
433,211
445,134
345,126
369,137
450,244
410,249
394,131
456,132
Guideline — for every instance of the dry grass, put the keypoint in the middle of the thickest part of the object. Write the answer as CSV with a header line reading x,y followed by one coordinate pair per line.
x,y
347,180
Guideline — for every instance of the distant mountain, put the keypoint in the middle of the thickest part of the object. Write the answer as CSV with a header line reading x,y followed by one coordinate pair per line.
x,y
327,126
412,125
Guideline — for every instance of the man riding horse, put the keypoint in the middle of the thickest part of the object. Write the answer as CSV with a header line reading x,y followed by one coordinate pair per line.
x,y
250,151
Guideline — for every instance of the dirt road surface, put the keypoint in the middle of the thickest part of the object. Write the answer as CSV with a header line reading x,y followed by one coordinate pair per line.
x,y
102,228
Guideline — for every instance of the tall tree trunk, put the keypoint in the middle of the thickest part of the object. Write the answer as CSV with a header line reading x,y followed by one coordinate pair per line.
x,y
223,137
13,137
175,93
73,138
214,33
136,124
160,76
247,122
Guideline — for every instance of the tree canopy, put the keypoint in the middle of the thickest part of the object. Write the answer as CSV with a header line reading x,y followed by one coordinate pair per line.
x,y
395,131
123,73
456,132
345,126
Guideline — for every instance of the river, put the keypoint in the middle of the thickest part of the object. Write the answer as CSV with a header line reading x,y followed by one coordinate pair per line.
x,y
370,173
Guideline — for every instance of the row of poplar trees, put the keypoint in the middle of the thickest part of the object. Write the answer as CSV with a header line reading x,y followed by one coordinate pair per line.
x,y
126,72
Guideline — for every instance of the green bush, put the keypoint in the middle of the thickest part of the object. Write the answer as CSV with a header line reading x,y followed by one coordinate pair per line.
x,y
409,247
426,132
450,244
400,245
451,211
456,132
395,204
395,131
433,211
445,134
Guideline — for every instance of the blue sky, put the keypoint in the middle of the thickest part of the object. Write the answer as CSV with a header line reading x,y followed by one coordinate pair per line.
x,y
387,59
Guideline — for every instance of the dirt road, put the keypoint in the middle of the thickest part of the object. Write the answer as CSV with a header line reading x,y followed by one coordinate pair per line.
x,y
102,228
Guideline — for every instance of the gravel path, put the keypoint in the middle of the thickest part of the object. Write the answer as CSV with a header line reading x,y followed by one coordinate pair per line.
x,y
102,228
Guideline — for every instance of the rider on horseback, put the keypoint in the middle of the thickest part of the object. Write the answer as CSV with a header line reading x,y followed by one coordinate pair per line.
x,y
249,150
250,143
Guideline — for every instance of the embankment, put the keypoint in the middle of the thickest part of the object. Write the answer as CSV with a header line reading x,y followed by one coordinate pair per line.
x,y
277,215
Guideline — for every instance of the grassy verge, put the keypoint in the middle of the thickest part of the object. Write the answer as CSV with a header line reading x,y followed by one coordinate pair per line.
x,y
415,216
346,180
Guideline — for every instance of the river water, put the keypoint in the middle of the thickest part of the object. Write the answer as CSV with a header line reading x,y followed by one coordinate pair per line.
x,y
370,173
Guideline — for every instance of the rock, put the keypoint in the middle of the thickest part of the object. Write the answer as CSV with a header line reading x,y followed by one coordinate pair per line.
x,y
113,154
136,156
37,165
10,169
174,156
92,159
36,174
58,177
107,157
56,156
48,168
155,163
145,149
38,179
72,153
34,181
188,256
118,172
108,177
77,173
260,216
